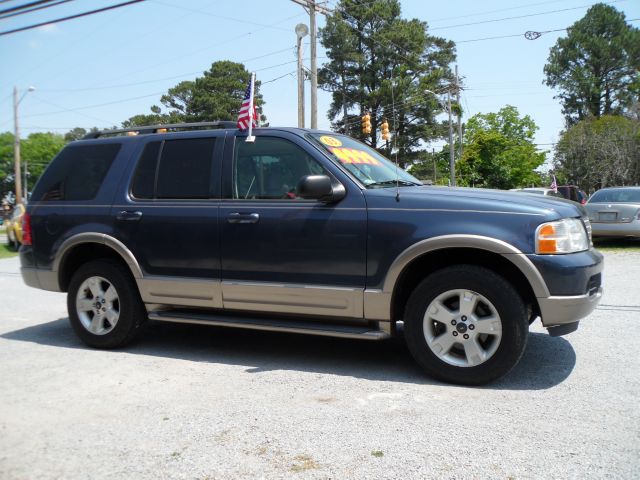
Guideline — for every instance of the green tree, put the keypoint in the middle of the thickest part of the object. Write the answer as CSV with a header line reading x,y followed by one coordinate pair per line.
x,y
596,153
37,150
499,151
6,164
77,133
382,64
217,95
596,66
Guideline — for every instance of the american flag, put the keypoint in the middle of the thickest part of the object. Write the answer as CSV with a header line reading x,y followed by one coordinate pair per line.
x,y
554,184
247,110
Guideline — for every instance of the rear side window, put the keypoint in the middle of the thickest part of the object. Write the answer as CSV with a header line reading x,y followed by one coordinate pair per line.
x,y
185,168
182,171
76,173
145,177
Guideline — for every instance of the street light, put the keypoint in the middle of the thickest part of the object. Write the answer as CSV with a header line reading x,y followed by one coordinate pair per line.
x,y
301,31
16,142
452,176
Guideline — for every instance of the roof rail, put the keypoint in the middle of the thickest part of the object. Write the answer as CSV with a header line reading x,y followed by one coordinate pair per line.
x,y
144,129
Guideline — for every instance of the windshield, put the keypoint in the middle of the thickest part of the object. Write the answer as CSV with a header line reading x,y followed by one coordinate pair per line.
x,y
618,195
363,162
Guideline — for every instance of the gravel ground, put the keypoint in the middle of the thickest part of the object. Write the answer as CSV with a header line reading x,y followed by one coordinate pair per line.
x,y
195,402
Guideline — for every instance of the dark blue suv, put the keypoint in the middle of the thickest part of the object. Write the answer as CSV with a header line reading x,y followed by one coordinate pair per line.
x,y
307,232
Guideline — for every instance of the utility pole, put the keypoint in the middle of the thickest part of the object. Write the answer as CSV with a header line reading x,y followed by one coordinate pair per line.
x,y
312,7
435,174
452,177
16,147
459,115
16,144
301,32
314,66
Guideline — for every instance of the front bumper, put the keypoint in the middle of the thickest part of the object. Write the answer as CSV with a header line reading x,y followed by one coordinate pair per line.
x,y
556,311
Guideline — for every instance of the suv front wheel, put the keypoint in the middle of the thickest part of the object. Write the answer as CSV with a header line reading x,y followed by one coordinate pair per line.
x,y
104,307
466,324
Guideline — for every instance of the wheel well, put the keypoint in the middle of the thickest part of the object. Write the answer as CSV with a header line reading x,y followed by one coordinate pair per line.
x,y
82,254
428,263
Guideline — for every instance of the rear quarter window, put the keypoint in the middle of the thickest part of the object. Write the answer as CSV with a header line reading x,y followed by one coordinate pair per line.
x,y
76,173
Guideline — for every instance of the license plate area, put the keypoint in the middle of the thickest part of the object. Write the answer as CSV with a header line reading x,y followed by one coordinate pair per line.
x,y
607,216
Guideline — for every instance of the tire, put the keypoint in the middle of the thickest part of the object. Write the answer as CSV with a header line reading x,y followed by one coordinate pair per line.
x,y
472,345
122,312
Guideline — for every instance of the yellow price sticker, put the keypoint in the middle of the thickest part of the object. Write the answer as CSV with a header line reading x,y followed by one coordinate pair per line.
x,y
353,155
330,141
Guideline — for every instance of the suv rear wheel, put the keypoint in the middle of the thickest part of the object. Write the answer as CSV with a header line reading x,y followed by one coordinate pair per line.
x,y
104,307
466,324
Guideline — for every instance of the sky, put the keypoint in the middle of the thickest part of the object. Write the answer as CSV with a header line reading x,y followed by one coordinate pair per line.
x,y
102,69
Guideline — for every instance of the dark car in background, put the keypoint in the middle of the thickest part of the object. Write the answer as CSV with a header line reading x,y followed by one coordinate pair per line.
x,y
615,212
571,192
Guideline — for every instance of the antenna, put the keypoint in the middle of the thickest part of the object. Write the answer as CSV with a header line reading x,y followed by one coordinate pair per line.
x,y
395,138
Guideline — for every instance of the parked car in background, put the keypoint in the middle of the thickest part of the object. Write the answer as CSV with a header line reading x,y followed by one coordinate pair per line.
x,y
14,227
539,191
571,192
615,212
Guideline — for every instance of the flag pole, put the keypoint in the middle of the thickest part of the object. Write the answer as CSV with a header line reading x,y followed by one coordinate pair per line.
x,y
250,138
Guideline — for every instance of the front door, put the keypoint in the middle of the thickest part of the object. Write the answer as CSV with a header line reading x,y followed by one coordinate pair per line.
x,y
281,253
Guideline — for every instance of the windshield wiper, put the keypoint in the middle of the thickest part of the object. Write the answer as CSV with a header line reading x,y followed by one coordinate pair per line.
x,y
392,183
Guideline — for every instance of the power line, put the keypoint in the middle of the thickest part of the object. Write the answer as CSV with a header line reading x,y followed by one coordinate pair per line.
x,y
24,6
520,16
496,11
523,34
173,77
71,17
203,12
34,9
111,103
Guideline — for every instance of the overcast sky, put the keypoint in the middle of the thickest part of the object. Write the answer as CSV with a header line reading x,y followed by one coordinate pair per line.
x,y
102,69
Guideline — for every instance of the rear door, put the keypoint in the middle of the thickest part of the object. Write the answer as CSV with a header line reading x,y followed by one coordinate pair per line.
x,y
169,218
281,253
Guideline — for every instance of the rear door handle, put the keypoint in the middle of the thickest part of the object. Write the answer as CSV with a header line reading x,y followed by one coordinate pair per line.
x,y
129,215
243,218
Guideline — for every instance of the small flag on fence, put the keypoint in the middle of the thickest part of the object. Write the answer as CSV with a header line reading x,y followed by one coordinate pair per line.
x,y
554,184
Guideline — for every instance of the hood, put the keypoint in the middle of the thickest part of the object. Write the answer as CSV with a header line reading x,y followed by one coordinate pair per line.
x,y
481,199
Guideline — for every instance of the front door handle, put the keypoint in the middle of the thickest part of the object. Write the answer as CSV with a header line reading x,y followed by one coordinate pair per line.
x,y
243,218
129,215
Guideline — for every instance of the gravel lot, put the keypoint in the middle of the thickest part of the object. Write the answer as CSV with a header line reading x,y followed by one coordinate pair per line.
x,y
196,402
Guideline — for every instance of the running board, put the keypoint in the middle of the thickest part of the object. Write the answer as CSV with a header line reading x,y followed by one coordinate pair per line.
x,y
309,328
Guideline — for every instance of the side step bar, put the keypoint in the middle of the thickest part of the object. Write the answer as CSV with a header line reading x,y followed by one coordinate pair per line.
x,y
310,328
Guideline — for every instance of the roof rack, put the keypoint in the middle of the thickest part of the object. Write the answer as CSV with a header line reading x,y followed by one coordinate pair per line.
x,y
144,129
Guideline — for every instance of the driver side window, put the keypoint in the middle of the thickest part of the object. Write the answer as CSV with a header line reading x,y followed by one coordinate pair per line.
x,y
270,168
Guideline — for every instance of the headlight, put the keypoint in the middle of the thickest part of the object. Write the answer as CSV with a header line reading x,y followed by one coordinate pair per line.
x,y
562,236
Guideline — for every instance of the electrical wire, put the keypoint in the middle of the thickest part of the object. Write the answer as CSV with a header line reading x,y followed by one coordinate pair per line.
x,y
34,9
24,6
64,109
70,17
173,77
209,14
522,16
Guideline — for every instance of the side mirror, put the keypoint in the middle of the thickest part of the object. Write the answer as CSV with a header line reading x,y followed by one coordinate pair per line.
x,y
319,187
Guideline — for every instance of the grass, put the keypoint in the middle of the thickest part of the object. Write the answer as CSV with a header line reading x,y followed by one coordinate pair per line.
x,y
377,453
617,244
303,463
6,252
